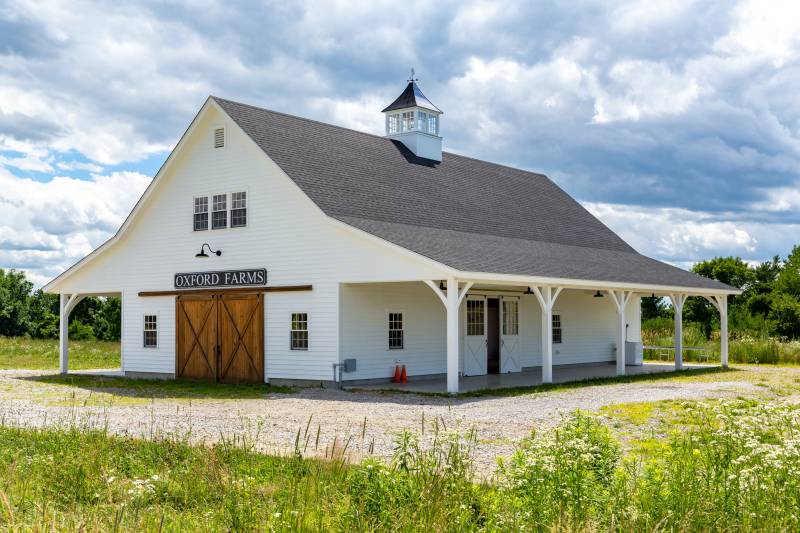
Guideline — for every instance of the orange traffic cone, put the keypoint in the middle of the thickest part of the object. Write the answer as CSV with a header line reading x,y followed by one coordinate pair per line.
x,y
403,376
396,378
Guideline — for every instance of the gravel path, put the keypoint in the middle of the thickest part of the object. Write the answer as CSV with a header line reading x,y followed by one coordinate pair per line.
x,y
274,421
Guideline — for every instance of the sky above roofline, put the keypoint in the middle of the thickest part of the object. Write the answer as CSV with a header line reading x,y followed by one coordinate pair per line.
x,y
675,122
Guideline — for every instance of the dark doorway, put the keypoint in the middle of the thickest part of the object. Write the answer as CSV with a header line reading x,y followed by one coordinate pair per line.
x,y
493,336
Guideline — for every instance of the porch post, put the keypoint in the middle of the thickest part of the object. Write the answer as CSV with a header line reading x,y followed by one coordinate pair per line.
x,y
452,336
620,299
723,330
677,304
721,303
63,334
452,303
547,299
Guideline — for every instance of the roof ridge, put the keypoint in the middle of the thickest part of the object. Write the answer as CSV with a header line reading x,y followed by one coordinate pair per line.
x,y
315,121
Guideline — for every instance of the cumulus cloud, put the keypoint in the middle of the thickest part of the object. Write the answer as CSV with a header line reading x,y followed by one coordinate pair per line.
x,y
46,227
679,109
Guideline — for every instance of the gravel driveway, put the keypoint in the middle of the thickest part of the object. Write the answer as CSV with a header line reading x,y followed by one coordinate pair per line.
x,y
367,419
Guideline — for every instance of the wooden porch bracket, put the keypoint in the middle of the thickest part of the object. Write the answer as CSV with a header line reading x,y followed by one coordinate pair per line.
x,y
277,288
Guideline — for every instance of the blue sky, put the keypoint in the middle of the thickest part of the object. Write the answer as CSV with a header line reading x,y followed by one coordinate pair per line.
x,y
676,122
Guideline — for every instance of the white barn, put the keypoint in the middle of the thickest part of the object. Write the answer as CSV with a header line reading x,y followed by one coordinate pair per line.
x,y
274,248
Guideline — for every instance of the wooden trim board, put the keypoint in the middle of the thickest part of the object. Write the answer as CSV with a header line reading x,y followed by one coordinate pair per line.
x,y
278,288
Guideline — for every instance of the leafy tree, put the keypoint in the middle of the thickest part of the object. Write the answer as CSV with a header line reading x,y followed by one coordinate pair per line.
x,y
14,294
653,307
43,315
785,315
788,281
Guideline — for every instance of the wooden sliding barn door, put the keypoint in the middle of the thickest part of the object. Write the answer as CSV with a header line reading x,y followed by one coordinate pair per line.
x,y
241,338
220,337
196,336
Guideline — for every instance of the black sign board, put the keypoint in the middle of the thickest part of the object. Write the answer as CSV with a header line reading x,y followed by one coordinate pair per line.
x,y
253,277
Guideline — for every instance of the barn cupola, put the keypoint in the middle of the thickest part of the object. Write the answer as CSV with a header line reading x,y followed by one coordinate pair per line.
x,y
414,121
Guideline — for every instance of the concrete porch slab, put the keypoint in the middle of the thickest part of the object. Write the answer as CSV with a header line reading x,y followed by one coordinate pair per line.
x,y
522,379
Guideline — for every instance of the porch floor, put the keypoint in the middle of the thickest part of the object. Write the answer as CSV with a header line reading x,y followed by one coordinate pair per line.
x,y
522,379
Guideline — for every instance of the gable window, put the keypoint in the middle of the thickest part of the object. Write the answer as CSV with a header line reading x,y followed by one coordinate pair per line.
x,y
475,317
510,317
238,209
556,329
219,137
298,337
395,331
219,212
201,213
150,331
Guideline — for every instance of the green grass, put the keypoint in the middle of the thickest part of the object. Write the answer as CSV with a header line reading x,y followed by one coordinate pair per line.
x,y
42,354
721,465
168,388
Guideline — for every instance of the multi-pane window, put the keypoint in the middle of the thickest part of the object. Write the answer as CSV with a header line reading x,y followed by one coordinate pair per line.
x,y
475,312
510,317
150,331
408,121
219,211
557,329
395,331
201,213
298,338
238,209
433,124
422,117
394,123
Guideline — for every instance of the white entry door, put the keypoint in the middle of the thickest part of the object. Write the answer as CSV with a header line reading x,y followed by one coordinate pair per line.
x,y
510,352
475,337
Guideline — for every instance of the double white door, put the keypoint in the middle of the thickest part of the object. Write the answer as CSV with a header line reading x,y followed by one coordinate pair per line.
x,y
477,336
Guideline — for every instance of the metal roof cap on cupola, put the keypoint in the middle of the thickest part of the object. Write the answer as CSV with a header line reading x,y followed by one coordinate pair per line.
x,y
413,120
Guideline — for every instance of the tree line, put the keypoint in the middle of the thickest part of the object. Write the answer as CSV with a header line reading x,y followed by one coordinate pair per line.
x,y
769,305
34,313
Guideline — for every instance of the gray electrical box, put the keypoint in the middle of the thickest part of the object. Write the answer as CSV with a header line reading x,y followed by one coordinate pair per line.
x,y
349,365
633,353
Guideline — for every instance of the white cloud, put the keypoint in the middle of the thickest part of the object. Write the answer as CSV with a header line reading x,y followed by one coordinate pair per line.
x,y
47,226
682,236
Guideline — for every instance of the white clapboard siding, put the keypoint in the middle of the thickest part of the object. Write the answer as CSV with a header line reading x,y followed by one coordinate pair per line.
x,y
286,234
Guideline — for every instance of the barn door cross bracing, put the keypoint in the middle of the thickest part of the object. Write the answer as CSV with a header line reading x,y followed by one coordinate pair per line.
x,y
220,337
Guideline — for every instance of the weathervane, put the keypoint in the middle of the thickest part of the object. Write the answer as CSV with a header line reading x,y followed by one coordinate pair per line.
x,y
412,79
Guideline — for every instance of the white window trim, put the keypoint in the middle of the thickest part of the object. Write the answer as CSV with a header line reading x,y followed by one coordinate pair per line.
x,y
561,322
228,204
247,199
308,331
516,300
404,330
158,330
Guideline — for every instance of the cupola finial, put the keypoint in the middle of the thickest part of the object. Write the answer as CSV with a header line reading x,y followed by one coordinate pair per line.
x,y
412,79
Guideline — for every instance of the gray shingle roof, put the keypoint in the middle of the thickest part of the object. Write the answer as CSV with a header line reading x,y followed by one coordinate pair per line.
x,y
468,214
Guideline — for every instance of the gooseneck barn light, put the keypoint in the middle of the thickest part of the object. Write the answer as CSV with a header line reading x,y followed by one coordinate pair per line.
x,y
203,251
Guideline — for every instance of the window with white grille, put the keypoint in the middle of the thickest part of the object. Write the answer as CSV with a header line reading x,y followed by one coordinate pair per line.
x,y
475,316
219,137
150,331
396,331
510,317
201,213
298,337
219,211
238,209
556,329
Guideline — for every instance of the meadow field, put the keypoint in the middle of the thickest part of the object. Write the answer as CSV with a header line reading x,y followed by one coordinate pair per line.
x,y
722,465
42,354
